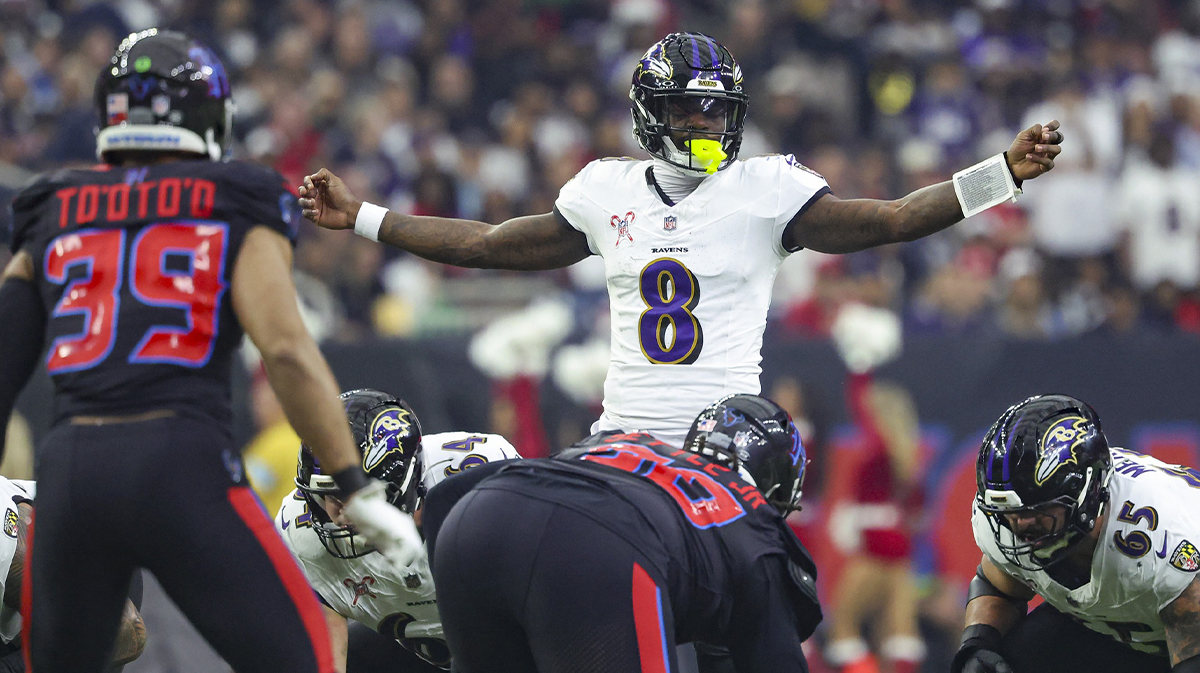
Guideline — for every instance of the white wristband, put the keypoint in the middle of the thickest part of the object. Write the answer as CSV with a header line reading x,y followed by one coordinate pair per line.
x,y
369,220
984,185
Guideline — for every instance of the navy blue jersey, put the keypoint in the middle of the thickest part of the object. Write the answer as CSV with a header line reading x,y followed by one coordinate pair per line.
x,y
134,267
710,528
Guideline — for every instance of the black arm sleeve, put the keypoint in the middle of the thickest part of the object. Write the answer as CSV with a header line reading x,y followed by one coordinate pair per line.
x,y
442,498
22,326
768,629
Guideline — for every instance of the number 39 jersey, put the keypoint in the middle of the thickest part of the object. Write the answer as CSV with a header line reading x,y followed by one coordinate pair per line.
x,y
689,285
134,267
1147,554
366,589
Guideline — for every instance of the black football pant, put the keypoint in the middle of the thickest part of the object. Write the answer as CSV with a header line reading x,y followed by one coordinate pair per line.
x,y
169,495
526,585
1049,641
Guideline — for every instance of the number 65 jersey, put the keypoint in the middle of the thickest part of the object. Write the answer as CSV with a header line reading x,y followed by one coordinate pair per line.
x,y
1147,554
134,267
366,589
689,284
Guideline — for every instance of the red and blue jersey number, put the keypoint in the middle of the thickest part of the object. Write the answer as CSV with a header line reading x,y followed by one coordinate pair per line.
x,y
705,501
95,294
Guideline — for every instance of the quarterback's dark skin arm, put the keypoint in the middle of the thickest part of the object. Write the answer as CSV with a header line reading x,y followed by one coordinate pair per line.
x,y
535,242
1181,618
131,638
833,225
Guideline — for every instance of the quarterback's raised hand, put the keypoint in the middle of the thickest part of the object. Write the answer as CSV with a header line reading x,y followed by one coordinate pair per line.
x,y
327,202
393,533
1033,151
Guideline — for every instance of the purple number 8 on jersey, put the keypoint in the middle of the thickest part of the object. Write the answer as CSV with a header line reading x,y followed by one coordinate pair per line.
x,y
671,292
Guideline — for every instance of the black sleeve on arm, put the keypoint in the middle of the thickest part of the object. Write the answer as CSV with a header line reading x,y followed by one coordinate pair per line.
x,y
442,498
22,326
767,627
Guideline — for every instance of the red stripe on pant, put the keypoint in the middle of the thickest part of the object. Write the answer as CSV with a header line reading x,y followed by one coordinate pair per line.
x,y
27,595
648,623
251,513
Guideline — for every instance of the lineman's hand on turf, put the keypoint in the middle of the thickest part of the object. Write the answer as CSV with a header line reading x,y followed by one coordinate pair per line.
x,y
1033,151
327,202
393,533
985,661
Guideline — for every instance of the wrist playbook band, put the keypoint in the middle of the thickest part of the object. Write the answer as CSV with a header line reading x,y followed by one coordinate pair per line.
x,y
369,220
984,185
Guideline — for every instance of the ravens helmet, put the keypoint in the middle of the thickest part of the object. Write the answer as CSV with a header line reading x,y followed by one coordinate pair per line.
x,y
756,437
163,92
1042,454
388,436
680,75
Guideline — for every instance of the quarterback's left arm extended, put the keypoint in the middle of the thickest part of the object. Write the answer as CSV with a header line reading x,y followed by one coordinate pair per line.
x,y
835,225
22,326
1181,617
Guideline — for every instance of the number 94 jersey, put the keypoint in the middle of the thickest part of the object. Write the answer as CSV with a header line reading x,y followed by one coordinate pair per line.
x,y
1147,554
134,267
366,589
689,284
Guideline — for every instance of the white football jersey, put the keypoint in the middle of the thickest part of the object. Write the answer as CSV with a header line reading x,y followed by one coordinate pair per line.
x,y
689,285
365,589
12,491
1146,556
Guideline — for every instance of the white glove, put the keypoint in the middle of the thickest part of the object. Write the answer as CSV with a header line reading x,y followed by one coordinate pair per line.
x,y
393,533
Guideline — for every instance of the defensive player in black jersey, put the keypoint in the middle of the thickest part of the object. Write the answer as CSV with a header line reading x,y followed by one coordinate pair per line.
x,y
603,558
137,278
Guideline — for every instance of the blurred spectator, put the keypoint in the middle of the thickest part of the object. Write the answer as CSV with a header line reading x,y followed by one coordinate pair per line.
x,y
1158,207
271,455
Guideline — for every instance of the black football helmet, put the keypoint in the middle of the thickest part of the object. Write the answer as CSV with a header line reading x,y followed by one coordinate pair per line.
x,y
756,437
163,92
388,435
1046,451
687,72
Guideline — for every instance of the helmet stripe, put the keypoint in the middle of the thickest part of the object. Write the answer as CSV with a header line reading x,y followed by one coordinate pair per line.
x,y
695,56
712,50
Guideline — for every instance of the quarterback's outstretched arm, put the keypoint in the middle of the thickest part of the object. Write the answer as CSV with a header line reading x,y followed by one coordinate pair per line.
x,y
1181,619
528,243
834,225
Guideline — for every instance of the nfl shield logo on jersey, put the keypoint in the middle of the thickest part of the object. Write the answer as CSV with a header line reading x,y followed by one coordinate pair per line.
x,y
669,223
1186,557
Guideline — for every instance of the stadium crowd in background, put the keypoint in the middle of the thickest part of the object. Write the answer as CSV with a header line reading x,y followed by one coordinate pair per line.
x,y
484,108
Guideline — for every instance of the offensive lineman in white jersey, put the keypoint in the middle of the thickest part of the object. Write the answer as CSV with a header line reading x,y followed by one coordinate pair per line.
x,y
691,239
1108,537
16,514
396,625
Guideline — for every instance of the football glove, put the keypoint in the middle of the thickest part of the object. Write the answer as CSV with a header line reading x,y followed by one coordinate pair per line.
x,y
393,532
978,652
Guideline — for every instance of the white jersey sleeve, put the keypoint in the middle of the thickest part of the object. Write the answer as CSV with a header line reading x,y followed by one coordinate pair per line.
x,y
363,589
12,492
448,453
1147,553
796,188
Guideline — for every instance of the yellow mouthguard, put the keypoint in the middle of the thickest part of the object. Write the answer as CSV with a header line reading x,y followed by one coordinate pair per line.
x,y
709,153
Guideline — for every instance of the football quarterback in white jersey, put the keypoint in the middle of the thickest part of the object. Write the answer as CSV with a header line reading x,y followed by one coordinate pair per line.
x,y
352,581
691,238
1107,537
